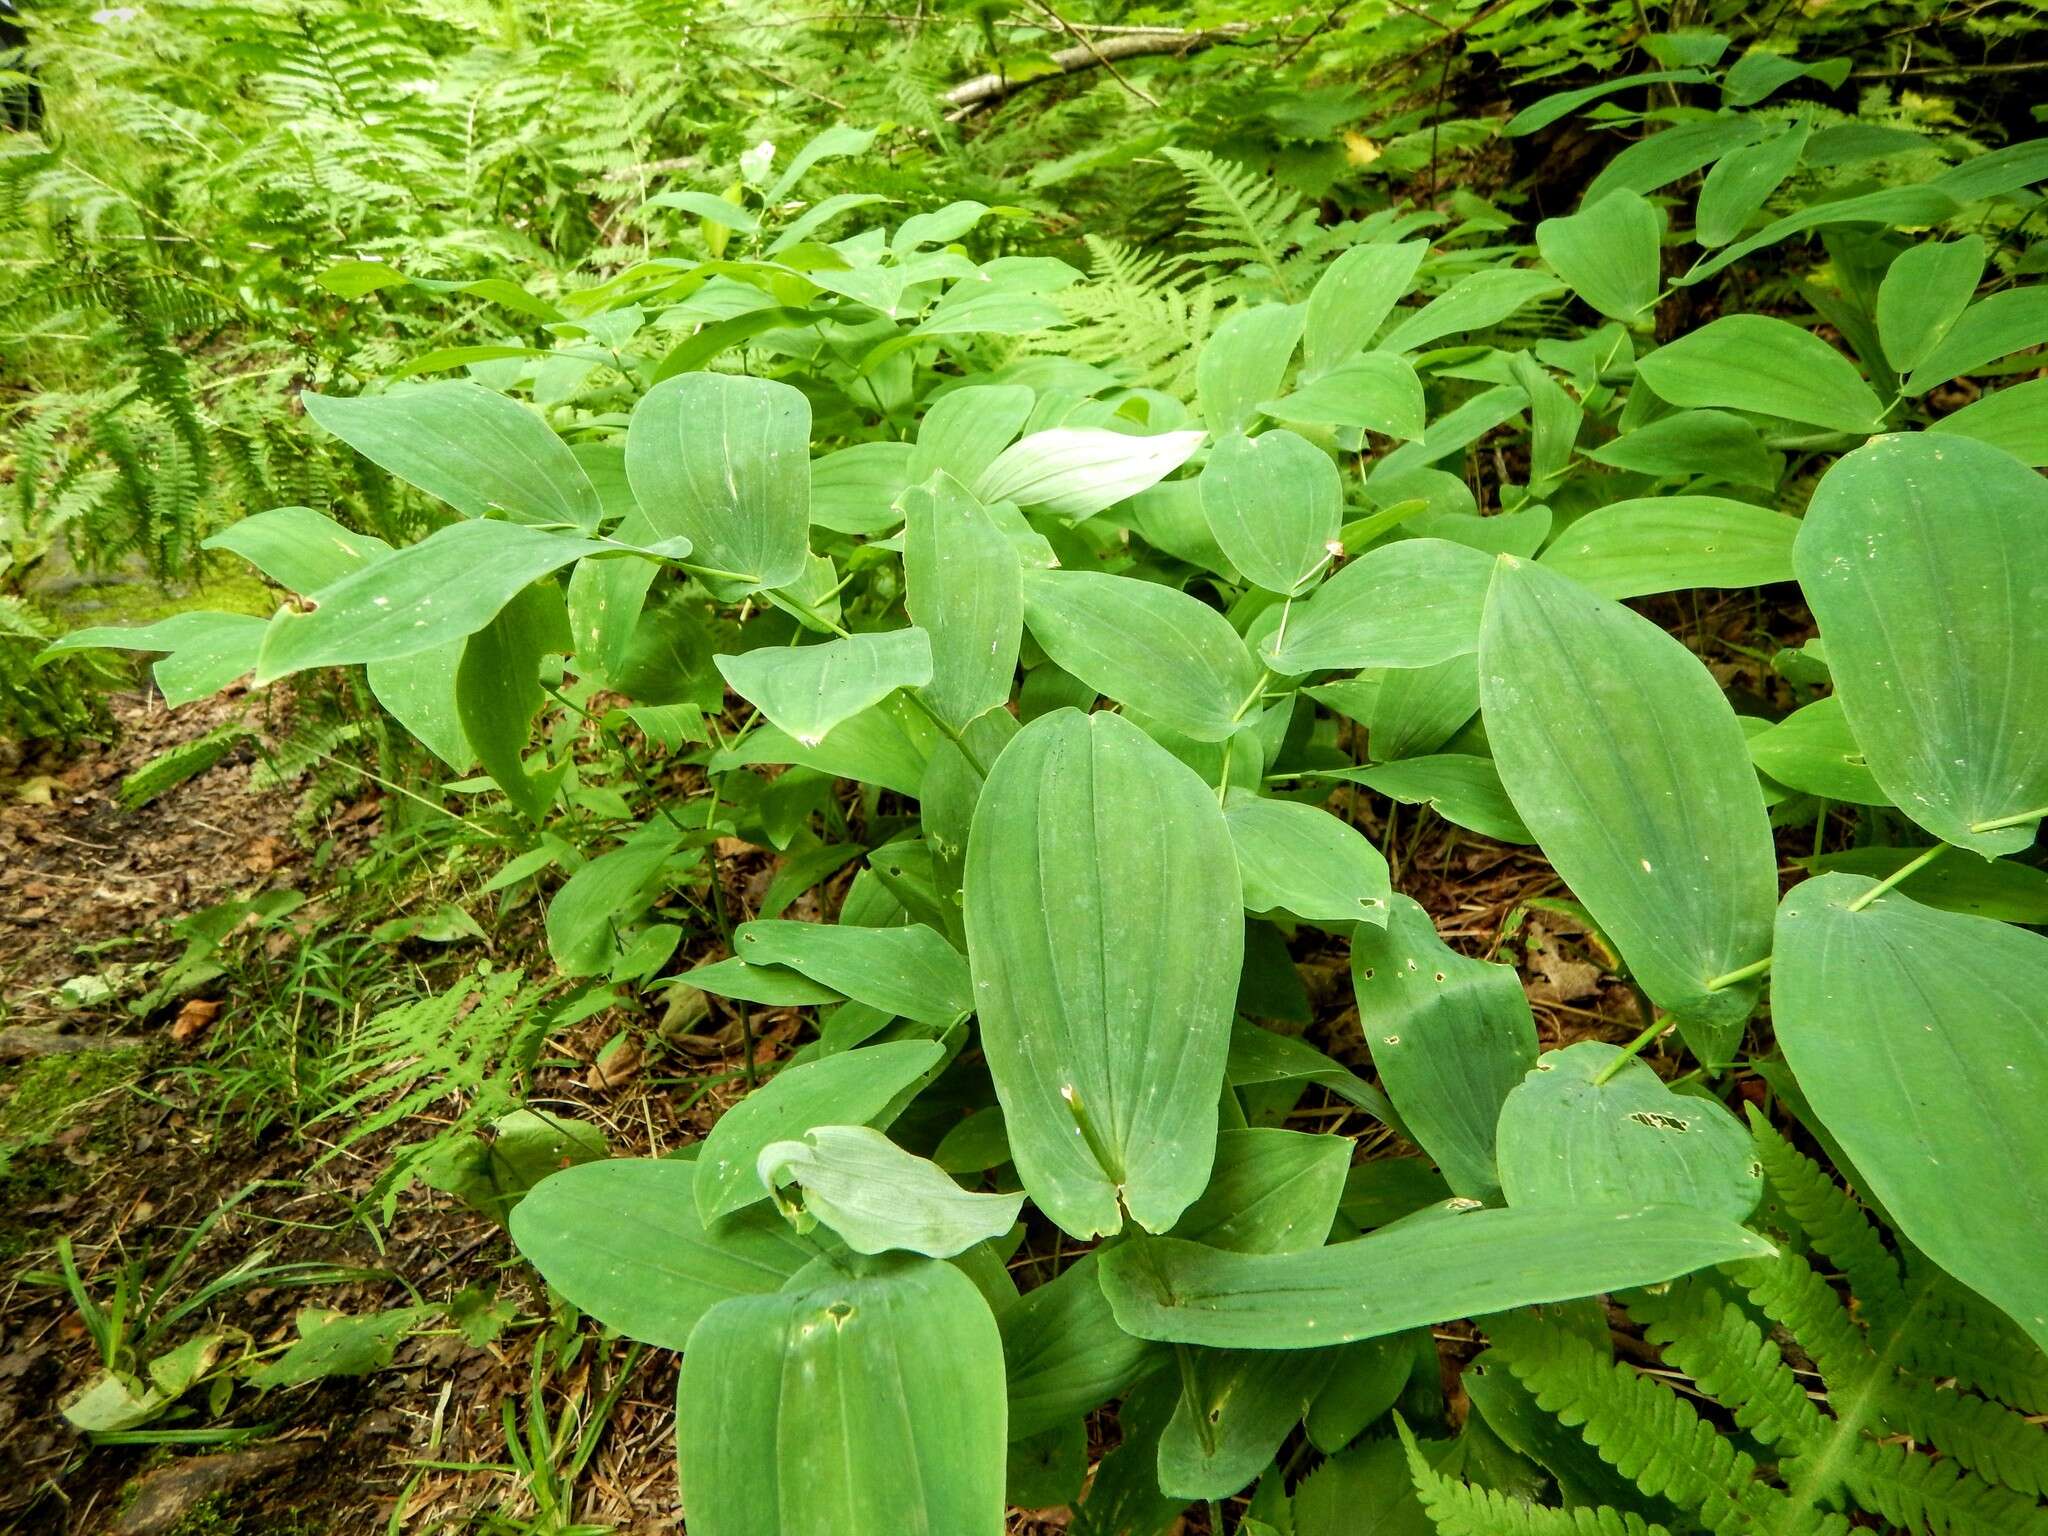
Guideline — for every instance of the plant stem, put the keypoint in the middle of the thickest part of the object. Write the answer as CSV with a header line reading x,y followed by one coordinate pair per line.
x,y
1737,977
1910,867
2000,823
1631,1051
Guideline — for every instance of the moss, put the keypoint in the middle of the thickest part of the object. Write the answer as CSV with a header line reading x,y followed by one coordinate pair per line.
x,y
46,1094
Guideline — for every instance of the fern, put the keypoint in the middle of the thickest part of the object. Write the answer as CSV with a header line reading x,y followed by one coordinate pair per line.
x,y
1727,1356
1922,1494
1247,223
181,764
1458,1508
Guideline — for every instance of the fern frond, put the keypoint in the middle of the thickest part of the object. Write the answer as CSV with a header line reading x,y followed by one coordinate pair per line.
x,y
1650,1435
1834,1224
1458,1508
182,763
1247,223
1715,1343
1994,1442
1964,1338
1918,1493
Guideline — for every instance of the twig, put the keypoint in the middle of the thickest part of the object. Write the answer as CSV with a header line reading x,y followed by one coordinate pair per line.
x,y
971,95
1114,73
2022,67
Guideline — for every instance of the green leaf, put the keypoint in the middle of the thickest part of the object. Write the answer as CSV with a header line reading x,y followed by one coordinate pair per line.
x,y
1812,750
1378,392
1917,555
449,585
1460,787
419,691
1075,472
1924,292
2005,322
334,1344
879,1197
1261,1056
1607,253
1352,300
1756,363
965,589
724,461
497,693
1243,363
1672,543
856,490
611,889
1163,653
1450,1035
1567,1139
1274,503
298,548
2014,418
1541,114
1106,1033
1411,603
470,446
1916,1036
856,1404
1065,1353
1624,759
851,1088
1415,710
1433,1268
773,986
2012,893
207,651
964,431
909,972
1472,303
1714,444
889,745
808,689
621,1240
1236,1407
1743,180
1271,1191
1301,859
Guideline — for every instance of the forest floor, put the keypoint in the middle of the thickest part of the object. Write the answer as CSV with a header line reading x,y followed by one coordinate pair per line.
x,y
123,1130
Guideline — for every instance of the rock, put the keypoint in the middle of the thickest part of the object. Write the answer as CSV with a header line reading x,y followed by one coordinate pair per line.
x,y
168,1494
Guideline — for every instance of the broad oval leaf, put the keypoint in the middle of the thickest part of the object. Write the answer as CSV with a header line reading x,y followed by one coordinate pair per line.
x,y
1920,1039
1379,392
1470,304
299,548
621,1240
856,1403
449,585
2006,322
1243,363
1075,472
1065,1353
965,589
1451,1037
1301,859
206,650
1607,253
1670,543
1743,180
1271,1191
877,1196
808,689
1106,1026
1429,1269
1567,1139
909,971
724,460
1165,654
965,429
1626,762
850,1088
470,446
1920,556
1813,751
1461,787
1411,603
1924,292
1352,299
1769,366
1274,503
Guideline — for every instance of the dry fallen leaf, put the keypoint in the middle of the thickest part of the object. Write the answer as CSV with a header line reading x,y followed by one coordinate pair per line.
x,y
193,1018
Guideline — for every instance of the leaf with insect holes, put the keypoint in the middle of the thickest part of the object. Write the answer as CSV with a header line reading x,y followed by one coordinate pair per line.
x,y
1105,1030
1301,859
1568,1139
808,689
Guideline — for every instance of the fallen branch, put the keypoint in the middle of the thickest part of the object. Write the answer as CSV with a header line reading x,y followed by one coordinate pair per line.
x,y
983,90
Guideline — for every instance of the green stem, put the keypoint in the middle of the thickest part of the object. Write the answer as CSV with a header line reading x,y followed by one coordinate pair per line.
x,y
1105,1158
2000,823
1266,675
1738,976
1910,867
1190,1391
1630,1051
